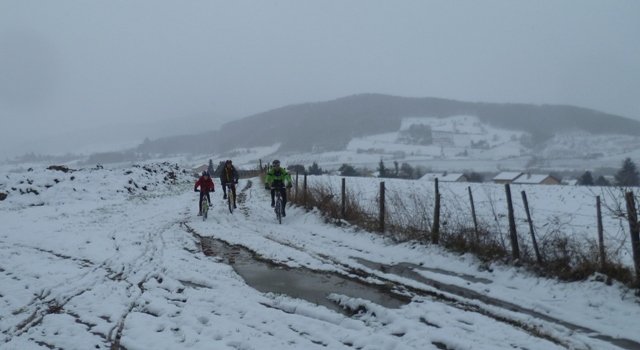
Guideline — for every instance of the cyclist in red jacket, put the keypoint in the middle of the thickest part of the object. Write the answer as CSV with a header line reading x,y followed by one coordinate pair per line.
x,y
206,184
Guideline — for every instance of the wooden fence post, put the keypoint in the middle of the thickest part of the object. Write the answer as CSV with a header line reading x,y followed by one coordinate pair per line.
x,y
305,192
634,229
297,189
260,167
435,230
603,258
473,214
343,207
382,206
531,230
515,250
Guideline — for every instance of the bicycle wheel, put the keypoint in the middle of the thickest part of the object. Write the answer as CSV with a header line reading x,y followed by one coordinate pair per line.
x,y
230,199
205,210
279,210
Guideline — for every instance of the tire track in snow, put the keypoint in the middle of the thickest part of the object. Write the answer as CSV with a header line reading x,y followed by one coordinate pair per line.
x,y
134,273
152,252
53,299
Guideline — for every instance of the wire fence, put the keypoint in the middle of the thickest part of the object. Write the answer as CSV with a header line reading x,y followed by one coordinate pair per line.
x,y
561,217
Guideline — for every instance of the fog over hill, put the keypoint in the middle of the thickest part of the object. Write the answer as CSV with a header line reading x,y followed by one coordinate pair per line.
x,y
330,125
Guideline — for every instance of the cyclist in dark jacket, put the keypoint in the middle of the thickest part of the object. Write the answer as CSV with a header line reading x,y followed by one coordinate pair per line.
x,y
229,175
276,179
206,184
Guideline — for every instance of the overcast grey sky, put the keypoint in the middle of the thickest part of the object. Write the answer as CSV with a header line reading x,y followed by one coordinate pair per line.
x,y
75,65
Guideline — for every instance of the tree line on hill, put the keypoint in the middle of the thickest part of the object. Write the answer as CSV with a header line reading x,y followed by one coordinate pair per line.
x,y
398,171
627,175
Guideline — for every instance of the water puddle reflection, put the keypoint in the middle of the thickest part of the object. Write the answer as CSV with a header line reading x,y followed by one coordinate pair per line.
x,y
301,283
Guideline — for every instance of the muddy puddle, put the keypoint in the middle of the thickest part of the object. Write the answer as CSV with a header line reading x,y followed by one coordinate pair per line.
x,y
300,283
315,286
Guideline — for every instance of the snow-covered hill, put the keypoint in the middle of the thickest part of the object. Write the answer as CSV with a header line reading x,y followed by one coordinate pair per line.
x,y
465,143
362,122
435,134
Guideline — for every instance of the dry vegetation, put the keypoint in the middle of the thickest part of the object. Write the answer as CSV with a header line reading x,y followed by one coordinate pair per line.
x,y
411,219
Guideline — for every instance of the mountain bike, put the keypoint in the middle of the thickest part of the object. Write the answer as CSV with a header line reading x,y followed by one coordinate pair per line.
x,y
278,204
231,197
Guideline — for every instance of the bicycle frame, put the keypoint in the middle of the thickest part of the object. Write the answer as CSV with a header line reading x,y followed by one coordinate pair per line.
x,y
278,204
231,200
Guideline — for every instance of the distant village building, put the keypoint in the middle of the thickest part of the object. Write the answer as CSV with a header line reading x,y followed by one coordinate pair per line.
x,y
536,179
443,138
506,177
453,177
430,176
445,177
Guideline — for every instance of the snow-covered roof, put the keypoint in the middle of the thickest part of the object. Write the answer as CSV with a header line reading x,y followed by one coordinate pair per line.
x,y
446,177
451,177
430,176
507,175
531,178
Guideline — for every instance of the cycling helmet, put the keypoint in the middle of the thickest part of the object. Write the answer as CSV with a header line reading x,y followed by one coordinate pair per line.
x,y
276,163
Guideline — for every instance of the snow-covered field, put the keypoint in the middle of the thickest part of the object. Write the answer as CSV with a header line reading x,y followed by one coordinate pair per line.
x,y
555,210
101,258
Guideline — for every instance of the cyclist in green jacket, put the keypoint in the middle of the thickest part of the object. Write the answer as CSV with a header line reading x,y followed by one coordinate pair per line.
x,y
277,178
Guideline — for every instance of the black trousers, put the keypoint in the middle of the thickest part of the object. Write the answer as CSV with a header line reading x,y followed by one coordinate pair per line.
x,y
283,193
233,189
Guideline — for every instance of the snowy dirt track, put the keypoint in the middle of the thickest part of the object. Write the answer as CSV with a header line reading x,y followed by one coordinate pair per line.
x,y
112,259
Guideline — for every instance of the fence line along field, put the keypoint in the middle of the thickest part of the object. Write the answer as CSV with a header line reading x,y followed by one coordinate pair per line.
x,y
563,219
